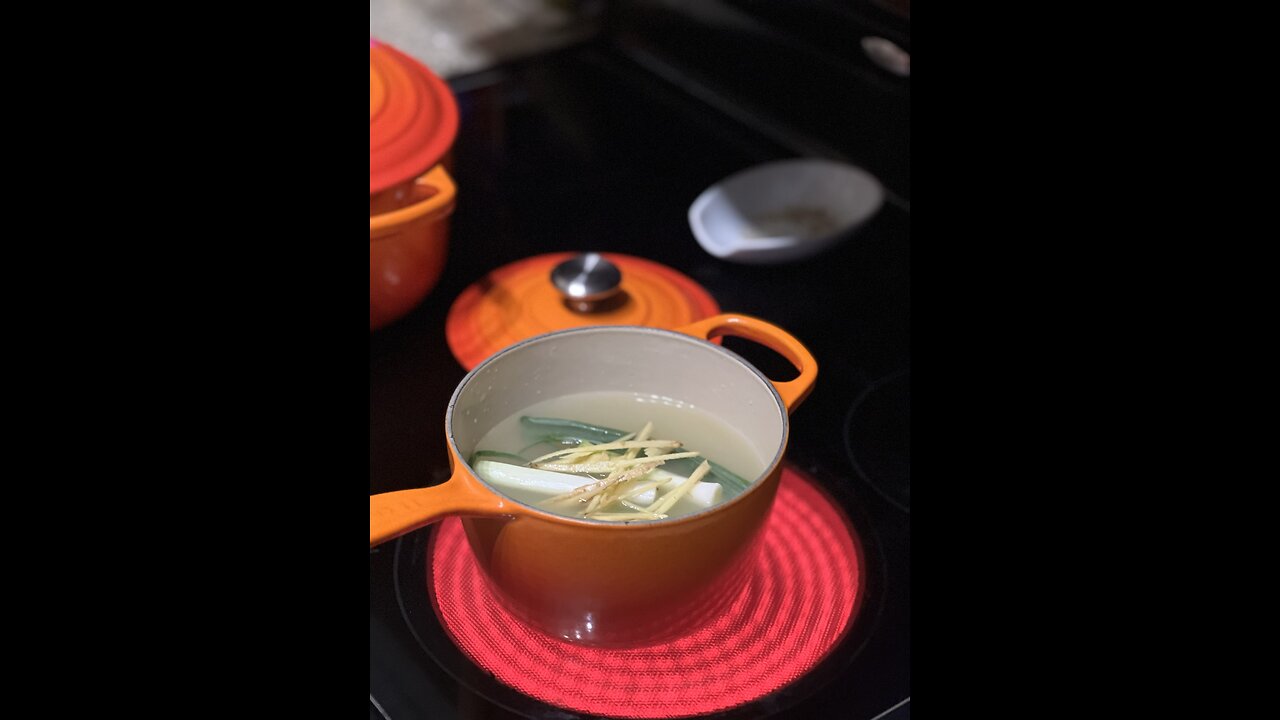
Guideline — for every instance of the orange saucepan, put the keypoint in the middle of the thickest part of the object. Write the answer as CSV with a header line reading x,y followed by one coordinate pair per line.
x,y
408,246
597,582
413,121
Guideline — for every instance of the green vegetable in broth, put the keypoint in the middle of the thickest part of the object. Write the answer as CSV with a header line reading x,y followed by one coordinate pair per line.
x,y
579,430
495,455
508,475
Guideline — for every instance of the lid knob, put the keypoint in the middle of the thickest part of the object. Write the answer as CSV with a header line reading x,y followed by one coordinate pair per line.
x,y
587,281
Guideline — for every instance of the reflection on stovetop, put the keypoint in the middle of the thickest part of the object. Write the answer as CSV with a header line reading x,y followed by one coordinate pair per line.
x,y
900,710
582,151
877,436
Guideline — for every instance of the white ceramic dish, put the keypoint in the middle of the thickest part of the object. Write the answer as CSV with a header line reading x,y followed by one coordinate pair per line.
x,y
784,211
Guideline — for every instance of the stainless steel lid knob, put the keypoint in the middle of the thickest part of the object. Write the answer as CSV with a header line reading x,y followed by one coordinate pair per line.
x,y
587,281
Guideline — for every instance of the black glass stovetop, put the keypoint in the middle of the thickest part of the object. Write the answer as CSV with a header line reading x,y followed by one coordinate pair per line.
x,y
585,150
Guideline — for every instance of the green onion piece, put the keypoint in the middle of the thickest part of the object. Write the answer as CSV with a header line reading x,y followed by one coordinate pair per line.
x,y
496,455
571,428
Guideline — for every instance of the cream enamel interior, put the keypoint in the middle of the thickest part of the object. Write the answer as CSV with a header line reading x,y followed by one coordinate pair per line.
x,y
630,359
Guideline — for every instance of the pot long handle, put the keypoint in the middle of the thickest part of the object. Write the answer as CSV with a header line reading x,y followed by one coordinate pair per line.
x,y
393,514
793,392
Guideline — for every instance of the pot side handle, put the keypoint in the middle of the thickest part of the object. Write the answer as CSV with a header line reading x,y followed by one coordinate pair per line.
x,y
395,513
440,195
793,392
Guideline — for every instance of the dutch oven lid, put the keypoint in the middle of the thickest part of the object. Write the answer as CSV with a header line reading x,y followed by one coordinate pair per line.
x,y
564,290
413,117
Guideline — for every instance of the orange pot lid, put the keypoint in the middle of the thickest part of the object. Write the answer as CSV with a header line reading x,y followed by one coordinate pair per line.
x,y
518,301
413,118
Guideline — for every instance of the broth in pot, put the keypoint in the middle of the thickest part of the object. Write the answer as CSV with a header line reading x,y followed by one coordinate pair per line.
x,y
617,456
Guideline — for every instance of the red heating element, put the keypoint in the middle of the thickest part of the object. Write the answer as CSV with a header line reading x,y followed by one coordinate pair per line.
x,y
800,600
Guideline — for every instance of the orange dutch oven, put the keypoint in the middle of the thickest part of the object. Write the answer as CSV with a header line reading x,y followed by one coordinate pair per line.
x,y
413,120
597,582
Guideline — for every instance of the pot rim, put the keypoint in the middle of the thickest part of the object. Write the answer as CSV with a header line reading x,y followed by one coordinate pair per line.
x,y
752,487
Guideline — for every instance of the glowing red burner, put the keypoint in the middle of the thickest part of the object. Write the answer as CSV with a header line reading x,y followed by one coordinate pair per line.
x,y
798,604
